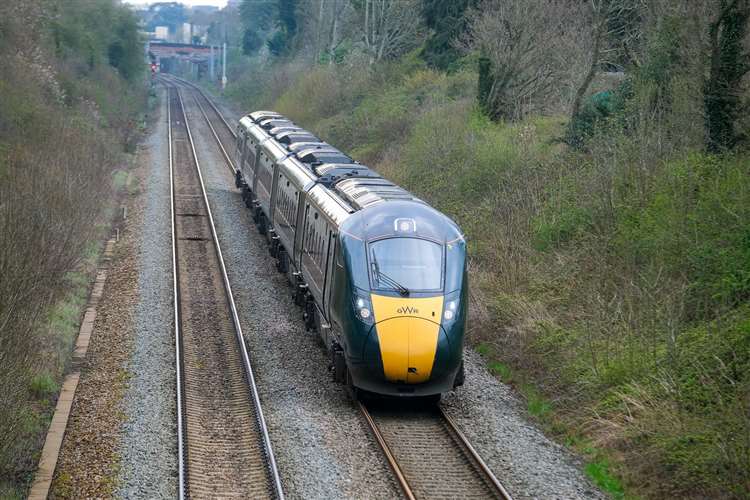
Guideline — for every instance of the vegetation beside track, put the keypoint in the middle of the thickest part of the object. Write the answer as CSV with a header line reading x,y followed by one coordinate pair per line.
x,y
610,251
72,106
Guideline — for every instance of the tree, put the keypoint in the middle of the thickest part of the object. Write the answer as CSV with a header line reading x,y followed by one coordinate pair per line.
x,y
390,27
614,29
272,21
126,51
447,21
286,24
729,63
170,14
523,45
257,17
327,26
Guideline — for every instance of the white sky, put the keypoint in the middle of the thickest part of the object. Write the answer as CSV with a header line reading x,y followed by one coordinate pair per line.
x,y
217,3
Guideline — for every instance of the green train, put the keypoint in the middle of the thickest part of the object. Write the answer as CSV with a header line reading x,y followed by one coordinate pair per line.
x,y
380,275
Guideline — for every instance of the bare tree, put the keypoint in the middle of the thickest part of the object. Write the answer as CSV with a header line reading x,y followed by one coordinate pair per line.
x,y
524,46
614,30
391,27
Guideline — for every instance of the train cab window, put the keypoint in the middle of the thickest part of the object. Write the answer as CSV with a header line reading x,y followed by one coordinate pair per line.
x,y
410,263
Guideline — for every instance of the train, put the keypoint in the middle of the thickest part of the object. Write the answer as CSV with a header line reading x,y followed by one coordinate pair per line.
x,y
379,274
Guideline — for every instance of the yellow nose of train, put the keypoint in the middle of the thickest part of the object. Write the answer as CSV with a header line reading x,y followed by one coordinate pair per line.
x,y
408,331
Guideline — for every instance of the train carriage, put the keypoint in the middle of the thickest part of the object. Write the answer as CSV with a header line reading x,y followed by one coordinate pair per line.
x,y
380,274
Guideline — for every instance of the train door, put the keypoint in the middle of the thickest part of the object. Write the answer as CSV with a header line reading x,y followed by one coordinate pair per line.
x,y
240,151
299,230
285,212
274,190
264,181
328,282
313,253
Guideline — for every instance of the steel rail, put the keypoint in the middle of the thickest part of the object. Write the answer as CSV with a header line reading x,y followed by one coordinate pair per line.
x,y
210,102
216,136
266,441
392,462
488,474
458,438
175,291
183,82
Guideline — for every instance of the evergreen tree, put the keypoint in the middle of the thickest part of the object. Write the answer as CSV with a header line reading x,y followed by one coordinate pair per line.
x,y
446,19
729,64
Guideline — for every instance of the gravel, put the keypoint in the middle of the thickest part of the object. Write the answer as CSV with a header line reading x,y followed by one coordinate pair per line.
x,y
88,457
322,446
527,463
148,467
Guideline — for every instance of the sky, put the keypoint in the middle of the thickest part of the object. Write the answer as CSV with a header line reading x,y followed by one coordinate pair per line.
x,y
217,3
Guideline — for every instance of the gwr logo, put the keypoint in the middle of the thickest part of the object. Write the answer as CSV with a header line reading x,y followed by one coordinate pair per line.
x,y
407,310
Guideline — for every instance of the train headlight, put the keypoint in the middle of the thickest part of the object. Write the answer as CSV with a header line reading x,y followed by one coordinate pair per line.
x,y
363,308
451,308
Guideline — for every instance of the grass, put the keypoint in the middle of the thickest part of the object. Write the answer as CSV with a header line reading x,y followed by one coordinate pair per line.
x,y
500,370
600,475
43,386
120,180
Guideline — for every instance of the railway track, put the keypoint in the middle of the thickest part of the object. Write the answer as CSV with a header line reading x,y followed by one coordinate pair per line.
x,y
223,444
221,130
428,454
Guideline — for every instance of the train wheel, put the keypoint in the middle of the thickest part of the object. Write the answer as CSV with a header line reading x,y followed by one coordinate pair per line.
x,y
283,263
338,364
300,293
262,224
309,314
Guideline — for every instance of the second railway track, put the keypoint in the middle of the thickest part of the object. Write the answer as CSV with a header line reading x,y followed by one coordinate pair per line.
x,y
224,447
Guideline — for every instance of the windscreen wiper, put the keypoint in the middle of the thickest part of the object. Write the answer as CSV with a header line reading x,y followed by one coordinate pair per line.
x,y
380,275
394,284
